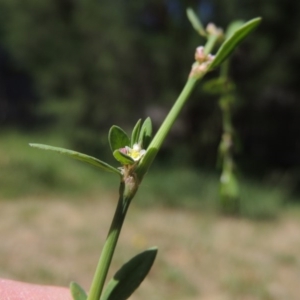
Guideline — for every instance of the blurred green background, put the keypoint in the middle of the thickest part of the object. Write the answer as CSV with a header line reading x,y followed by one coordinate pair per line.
x,y
70,69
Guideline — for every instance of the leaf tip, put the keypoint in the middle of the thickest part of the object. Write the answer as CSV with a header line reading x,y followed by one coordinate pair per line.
x,y
153,248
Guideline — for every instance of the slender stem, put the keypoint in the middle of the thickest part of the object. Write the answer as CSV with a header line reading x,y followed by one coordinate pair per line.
x,y
226,109
224,69
211,42
165,127
109,246
128,190
173,114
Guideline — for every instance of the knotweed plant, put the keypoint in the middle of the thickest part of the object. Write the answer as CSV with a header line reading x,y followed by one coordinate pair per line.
x,y
134,154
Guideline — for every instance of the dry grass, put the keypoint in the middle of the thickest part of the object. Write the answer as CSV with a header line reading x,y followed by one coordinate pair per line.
x,y
207,257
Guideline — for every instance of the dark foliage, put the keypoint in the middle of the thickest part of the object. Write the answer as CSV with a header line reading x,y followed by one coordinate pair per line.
x,y
97,63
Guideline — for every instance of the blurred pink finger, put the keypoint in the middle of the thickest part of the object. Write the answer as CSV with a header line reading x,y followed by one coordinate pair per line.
x,y
14,290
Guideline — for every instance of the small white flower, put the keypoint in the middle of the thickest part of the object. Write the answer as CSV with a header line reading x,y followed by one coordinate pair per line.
x,y
136,152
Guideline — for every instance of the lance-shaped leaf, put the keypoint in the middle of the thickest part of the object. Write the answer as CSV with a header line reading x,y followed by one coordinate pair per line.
x,y
130,276
146,133
195,21
233,41
79,156
77,291
122,158
117,138
233,27
136,133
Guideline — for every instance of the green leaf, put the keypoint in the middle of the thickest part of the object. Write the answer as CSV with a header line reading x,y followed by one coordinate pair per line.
x,y
233,41
117,138
195,21
135,133
77,291
146,133
130,276
79,156
123,158
233,27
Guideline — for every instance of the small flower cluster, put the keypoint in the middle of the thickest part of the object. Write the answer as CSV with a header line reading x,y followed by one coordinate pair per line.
x,y
136,152
203,60
129,150
212,29
201,57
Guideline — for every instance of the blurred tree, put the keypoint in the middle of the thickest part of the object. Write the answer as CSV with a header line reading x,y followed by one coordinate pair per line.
x,y
266,70
98,62
17,96
95,63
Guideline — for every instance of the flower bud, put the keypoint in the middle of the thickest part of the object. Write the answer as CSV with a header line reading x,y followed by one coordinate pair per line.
x,y
212,29
200,56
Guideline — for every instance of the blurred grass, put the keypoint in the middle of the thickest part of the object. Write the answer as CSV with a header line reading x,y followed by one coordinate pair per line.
x,y
202,254
27,171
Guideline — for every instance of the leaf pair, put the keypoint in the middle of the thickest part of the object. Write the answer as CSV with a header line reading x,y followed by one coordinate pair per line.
x,y
118,140
141,134
125,281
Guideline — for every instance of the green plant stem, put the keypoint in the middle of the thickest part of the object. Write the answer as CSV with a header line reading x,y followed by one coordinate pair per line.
x,y
226,109
224,69
165,128
109,246
211,42
127,193
172,116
